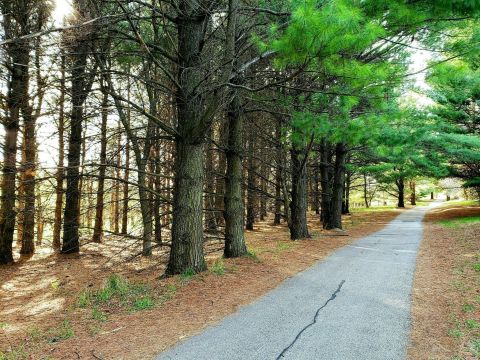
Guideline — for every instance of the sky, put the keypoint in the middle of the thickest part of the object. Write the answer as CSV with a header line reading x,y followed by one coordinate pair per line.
x,y
62,8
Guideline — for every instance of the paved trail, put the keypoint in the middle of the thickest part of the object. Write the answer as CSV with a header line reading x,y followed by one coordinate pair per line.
x,y
353,305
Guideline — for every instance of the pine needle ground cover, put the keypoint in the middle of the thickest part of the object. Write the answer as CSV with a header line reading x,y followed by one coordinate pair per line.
x,y
446,293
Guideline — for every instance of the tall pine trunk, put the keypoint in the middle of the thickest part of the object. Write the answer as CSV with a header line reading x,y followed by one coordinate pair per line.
x,y
99,205
57,225
28,235
299,203
71,241
401,192
338,185
325,178
210,216
251,184
413,195
234,212
187,226
17,88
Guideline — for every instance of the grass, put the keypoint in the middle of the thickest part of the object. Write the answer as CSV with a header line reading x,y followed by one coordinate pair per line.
x,y
282,246
19,353
456,223
117,292
474,346
60,333
472,324
252,254
98,314
143,303
461,203
373,208
187,275
468,308
218,267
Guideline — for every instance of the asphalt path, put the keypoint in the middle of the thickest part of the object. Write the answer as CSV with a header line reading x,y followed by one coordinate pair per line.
x,y
355,304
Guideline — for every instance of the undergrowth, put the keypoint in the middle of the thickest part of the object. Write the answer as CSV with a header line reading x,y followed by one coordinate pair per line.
x,y
120,293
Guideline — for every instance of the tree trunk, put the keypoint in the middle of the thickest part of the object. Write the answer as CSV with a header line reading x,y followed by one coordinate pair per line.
x,y
187,226
278,174
234,212
125,188
57,225
401,192
71,241
325,163
251,184
157,200
210,215
98,227
299,203
220,173
28,244
17,88
346,198
335,220
413,195
365,191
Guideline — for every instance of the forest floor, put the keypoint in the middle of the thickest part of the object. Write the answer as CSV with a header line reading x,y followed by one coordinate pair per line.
x,y
446,293
105,301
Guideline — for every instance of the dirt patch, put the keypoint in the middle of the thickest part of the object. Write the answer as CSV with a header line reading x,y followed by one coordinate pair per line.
x,y
40,316
446,293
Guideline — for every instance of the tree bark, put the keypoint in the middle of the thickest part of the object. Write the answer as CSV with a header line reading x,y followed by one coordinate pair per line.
x,y
413,195
28,244
365,191
278,174
125,188
251,184
299,202
210,216
187,227
234,212
335,220
325,163
17,90
98,227
71,241
401,192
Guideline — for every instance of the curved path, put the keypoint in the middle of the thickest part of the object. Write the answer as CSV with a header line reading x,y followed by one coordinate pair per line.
x,y
355,304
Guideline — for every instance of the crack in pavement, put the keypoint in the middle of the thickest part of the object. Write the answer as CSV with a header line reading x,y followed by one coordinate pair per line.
x,y
334,295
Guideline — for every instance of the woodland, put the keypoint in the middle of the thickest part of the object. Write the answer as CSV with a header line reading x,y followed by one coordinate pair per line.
x,y
177,122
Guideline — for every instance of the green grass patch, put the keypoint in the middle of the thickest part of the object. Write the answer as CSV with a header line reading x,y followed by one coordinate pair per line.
x,y
252,254
218,267
468,308
187,275
456,223
60,333
472,324
282,246
143,303
476,267
474,347
373,208
116,292
456,333
19,353
98,314
461,203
